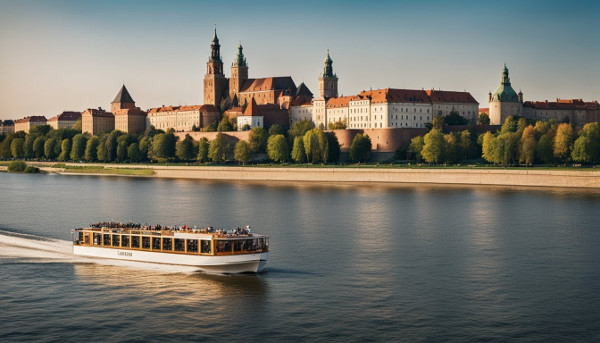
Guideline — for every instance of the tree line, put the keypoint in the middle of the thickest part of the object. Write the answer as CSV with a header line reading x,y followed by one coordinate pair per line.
x,y
302,143
518,141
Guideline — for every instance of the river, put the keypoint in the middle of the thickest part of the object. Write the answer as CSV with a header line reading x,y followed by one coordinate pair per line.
x,y
347,263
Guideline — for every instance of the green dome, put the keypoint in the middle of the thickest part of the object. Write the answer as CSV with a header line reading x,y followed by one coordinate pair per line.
x,y
504,92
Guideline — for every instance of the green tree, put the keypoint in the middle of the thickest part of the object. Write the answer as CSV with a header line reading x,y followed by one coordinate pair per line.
x,y
38,147
16,148
563,141
78,147
218,149
111,145
40,130
416,147
101,151
510,125
185,149
544,150
50,148
438,123
122,150
203,147
311,146
17,166
144,147
338,125
65,150
521,125
277,148
508,144
360,149
528,146
541,127
467,147
454,118
242,152
28,146
5,151
299,129
276,129
484,119
91,149
77,125
258,140
133,152
298,152
433,150
163,146
333,147
586,148
489,148
224,124
451,148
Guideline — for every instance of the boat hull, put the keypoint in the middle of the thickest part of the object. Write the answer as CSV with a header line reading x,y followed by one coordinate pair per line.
x,y
242,263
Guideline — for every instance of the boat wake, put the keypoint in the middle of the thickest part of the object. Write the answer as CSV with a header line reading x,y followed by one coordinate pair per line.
x,y
35,249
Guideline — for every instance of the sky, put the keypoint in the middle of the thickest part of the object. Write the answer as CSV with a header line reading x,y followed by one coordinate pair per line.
x,y
72,55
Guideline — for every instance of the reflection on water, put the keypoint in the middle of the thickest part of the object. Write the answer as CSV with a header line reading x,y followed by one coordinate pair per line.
x,y
347,262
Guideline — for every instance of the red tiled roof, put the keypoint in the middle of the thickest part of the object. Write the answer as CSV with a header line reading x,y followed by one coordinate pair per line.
x,y
66,115
202,108
484,110
208,108
451,96
31,118
339,102
269,83
563,104
99,113
252,109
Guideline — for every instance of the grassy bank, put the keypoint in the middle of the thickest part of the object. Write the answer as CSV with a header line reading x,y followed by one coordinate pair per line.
x,y
103,170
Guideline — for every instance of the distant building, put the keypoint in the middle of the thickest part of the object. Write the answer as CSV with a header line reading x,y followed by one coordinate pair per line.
x,y
27,123
250,118
182,118
506,102
7,126
96,121
575,111
128,117
65,120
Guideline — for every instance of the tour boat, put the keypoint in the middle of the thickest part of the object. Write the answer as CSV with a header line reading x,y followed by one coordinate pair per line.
x,y
207,249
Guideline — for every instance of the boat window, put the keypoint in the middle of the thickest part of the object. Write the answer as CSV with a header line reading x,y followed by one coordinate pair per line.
x,y
135,241
192,245
106,240
80,239
179,244
205,247
116,240
167,244
97,238
87,238
155,243
145,242
237,245
223,246
125,241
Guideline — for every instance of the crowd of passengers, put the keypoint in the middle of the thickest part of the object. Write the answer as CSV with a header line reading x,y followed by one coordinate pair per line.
x,y
245,231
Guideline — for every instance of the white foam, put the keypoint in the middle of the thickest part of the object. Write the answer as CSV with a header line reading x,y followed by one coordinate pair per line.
x,y
36,249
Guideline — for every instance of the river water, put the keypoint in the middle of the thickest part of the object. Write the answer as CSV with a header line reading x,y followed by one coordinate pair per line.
x,y
347,263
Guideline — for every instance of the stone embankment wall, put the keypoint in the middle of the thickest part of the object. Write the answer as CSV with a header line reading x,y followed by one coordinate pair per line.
x,y
500,177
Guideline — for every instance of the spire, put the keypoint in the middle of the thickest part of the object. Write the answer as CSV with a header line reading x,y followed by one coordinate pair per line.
x,y
505,79
215,48
240,60
328,70
504,92
123,96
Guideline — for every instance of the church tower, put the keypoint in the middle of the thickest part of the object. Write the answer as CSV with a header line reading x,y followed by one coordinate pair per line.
x,y
215,82
328,83
505,101
239,73
123,101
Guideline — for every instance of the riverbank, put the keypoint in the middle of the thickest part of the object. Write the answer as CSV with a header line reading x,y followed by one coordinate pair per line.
x,y
453,176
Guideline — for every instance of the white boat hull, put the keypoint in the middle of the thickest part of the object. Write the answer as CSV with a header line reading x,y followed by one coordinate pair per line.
x,y
243,263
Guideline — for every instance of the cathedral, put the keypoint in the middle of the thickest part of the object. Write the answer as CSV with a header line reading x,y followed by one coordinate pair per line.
x,y
240,90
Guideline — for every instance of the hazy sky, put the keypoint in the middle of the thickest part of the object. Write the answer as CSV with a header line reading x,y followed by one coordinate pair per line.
x,y
72,55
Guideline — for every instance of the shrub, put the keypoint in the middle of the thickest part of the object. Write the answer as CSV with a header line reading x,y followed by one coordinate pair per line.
x,y
31,169
17,166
